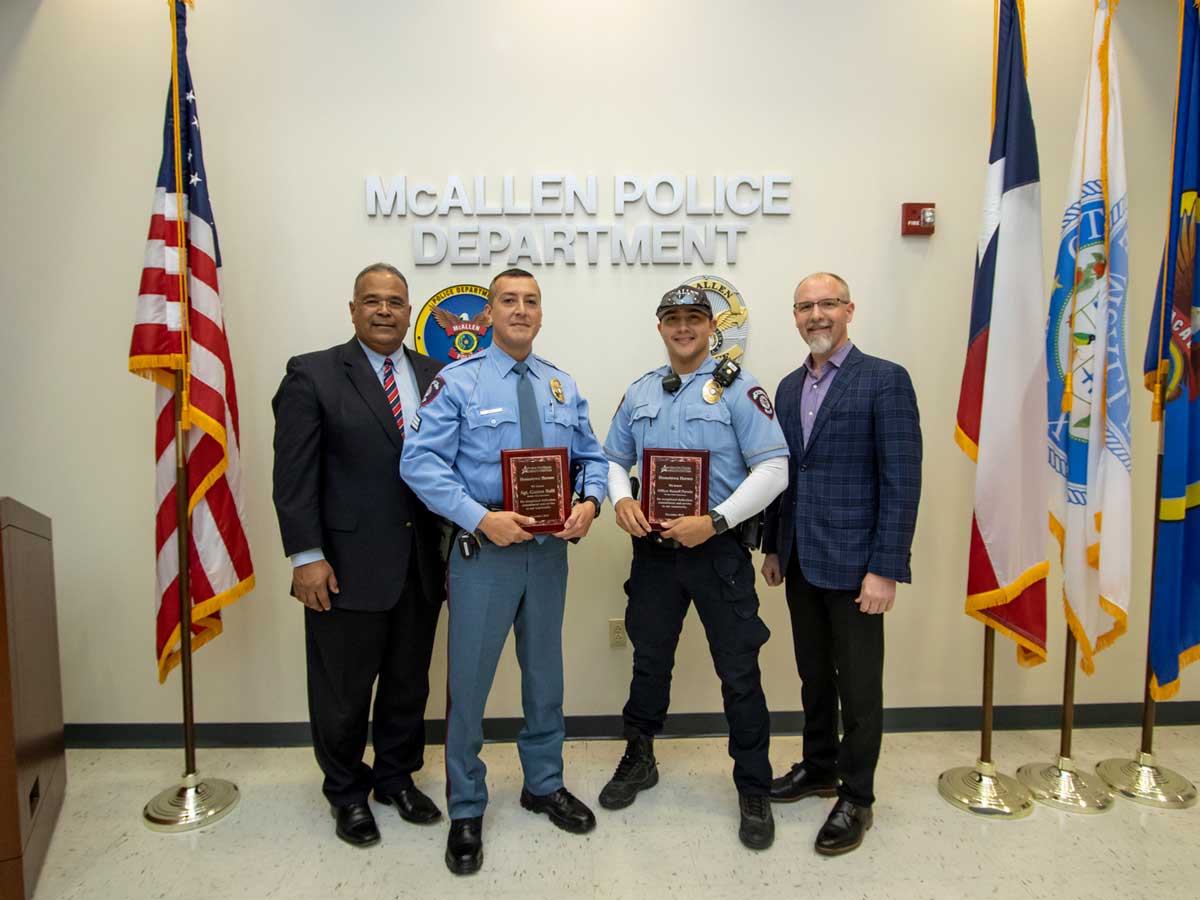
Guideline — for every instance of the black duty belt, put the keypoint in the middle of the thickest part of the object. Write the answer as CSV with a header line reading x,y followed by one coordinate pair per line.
x,y
747,534
657,541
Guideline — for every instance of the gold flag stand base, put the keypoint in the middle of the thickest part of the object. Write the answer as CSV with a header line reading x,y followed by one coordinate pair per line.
x,y
1059,784
1062,786
190,805
984,792
1142,781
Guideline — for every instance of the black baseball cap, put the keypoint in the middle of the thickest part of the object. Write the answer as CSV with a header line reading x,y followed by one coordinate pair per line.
x,y
683,296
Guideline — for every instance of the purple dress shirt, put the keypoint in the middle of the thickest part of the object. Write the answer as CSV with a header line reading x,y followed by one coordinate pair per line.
x,y
816,387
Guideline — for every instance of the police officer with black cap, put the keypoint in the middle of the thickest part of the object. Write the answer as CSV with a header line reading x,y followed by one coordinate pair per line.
x,y
697,403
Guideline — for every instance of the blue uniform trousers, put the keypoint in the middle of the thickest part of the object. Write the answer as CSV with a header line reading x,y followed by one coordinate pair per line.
x,y
522,587
719,577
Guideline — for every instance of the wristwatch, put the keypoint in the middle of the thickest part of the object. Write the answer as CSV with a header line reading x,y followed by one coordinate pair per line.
x,y
593,501
718,520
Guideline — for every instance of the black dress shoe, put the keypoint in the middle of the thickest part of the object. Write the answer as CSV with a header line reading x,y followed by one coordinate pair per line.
x,y
757,830
802,781
412,805
637,771
844,829
464,846
355,824
565,810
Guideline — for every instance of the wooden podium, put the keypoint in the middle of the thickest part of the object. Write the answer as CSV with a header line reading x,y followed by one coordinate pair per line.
x,y
33,770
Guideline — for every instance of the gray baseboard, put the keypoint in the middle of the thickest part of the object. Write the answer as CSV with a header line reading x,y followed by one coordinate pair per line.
x,y
925,718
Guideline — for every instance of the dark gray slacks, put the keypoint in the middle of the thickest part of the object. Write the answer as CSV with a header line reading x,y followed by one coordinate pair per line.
x,y
347,651
839,656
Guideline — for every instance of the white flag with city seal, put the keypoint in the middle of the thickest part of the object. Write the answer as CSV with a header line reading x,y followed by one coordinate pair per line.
x,y
1088,386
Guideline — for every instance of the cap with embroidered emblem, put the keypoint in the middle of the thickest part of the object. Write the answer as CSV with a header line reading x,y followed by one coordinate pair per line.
x,y
683,296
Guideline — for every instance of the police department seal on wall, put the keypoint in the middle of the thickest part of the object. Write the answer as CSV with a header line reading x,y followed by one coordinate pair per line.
x,y
730,314
454,323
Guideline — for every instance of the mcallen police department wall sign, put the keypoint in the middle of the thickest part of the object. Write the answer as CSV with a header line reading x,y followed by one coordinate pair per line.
x,y
660,219
454,323
730,313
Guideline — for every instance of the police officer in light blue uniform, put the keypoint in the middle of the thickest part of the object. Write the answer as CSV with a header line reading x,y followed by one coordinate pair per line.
x,y
503,577
697,403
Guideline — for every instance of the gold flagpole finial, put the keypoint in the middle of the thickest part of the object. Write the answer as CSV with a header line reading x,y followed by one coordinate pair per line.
x,y
1160,389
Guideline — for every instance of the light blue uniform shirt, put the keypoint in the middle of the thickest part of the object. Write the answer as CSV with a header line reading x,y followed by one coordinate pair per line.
x,y
739,430
406,384
451,458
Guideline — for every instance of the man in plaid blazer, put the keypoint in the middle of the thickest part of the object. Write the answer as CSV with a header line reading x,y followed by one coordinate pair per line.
x,y
838,539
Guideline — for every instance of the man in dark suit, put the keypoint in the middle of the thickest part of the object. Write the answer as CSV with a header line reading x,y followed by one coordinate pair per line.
x,y
839,539
366,554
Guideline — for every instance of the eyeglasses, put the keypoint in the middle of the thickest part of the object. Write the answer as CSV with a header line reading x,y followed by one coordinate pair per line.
x,y
374,304
828,305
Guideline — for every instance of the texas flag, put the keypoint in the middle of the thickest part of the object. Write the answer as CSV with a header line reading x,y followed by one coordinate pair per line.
x,y
1002,403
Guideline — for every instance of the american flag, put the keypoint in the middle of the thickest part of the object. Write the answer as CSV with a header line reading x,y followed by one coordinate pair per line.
x,y
183,330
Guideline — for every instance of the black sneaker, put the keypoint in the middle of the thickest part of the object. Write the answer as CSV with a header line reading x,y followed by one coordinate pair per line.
x,y
757,830
637,771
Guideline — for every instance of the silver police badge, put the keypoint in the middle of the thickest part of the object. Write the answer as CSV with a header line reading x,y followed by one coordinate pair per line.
x,y
730,314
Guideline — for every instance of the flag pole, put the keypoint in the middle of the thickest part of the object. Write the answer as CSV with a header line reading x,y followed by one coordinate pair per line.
x,y
1059,784
1141,779
183,533
192,803
980,789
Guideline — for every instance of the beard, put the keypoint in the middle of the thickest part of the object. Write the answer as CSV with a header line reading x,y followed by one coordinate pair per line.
x,y
820,343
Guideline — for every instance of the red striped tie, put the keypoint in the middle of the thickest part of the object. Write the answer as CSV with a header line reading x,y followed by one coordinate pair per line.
x,y
393,393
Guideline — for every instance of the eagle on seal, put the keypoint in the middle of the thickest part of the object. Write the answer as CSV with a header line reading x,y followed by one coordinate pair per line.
x,y
448,320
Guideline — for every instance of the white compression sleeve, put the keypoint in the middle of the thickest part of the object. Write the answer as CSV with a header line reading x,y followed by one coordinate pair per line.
x,y
619,485
765,482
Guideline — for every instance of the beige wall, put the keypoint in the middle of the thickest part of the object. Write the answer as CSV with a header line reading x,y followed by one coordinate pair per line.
x,y
865,104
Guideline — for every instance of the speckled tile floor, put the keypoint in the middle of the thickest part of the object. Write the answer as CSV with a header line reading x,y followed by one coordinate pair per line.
x,y
678,840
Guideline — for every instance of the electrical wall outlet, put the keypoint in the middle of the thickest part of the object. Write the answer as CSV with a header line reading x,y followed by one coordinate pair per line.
x,y
616,632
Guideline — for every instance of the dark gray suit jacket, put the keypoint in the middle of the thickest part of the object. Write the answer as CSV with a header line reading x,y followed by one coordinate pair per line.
x,y
337,479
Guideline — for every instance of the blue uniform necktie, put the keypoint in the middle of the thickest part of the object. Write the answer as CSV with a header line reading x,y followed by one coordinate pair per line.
x,y
527,408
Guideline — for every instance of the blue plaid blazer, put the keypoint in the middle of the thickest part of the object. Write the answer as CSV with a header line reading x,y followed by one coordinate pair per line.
x,y
851,502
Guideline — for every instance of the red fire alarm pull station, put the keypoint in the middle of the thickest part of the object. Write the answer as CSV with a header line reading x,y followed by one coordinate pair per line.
x,y
917,218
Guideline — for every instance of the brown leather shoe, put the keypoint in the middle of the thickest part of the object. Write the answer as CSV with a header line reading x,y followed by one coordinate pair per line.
x,y
802,781
844,829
